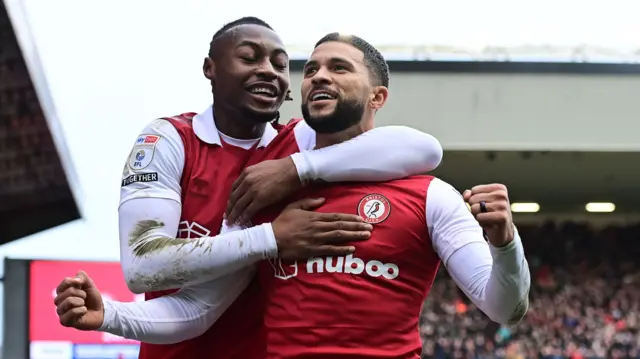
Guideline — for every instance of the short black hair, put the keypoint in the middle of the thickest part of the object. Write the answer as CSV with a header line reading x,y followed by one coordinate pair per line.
x,y
373,59
247,20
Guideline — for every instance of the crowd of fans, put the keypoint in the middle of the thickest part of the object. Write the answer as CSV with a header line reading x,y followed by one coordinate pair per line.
x,y
585,302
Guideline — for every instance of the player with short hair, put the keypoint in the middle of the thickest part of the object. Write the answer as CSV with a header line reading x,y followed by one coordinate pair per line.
x,y
181,171
365,304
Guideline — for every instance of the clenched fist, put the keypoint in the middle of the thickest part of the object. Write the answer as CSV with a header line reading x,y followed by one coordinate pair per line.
x,y
79,303
490,205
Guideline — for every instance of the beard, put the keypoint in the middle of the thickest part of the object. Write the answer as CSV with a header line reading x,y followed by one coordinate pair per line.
x,y
346,113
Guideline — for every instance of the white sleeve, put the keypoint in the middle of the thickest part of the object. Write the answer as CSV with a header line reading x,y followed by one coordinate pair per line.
x,y
154,167
497,280
381,154
183,315
151,256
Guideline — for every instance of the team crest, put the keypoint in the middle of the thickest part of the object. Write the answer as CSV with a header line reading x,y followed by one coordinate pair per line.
x,y
374,208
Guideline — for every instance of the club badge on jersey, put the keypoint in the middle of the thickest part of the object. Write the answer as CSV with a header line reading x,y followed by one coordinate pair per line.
x,y
374,208
143,150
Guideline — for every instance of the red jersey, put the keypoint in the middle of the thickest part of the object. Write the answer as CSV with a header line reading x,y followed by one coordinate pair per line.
x,y
208,174
364,305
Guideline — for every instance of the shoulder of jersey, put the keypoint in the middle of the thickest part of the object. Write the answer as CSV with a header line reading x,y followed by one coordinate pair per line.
x,y
293,122
183,118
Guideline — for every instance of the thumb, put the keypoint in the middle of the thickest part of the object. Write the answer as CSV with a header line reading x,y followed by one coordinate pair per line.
x,y
307,204
85,280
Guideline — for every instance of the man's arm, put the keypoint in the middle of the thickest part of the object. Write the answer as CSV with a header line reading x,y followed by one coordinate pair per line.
x,y
497,280
150,208
381,154
180,316
151,256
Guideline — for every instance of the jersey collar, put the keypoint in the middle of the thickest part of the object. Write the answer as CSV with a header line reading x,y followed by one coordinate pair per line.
x,y
204,127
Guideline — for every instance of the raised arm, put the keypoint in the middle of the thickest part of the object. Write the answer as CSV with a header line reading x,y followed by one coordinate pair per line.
x,y
496,279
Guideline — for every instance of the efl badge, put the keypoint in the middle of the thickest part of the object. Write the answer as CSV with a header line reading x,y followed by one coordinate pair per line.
x,y
143,151
374,208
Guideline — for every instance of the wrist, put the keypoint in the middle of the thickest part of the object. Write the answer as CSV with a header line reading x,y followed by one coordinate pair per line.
x,y
303,170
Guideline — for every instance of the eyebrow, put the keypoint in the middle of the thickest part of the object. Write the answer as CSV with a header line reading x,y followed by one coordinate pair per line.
x,y
332,60
256,45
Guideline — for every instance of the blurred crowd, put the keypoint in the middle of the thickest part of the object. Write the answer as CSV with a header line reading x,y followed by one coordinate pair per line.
x,y
585,301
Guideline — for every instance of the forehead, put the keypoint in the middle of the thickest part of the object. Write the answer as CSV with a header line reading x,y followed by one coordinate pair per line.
x,y
256,34
331,50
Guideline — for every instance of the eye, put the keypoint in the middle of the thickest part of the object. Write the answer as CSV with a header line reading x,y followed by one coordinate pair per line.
x,y
339,68
249,59
309,71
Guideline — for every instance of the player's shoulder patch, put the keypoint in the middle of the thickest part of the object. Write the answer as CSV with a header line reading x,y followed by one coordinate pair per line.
x,y
374,208
143,151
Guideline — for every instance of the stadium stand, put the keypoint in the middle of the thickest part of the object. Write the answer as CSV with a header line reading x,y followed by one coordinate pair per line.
x,y
34,193
585,298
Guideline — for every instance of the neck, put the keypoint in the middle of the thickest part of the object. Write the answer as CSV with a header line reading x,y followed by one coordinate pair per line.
x,y
330,139
233,124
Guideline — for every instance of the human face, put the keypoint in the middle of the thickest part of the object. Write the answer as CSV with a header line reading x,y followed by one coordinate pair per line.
x,y
336,87
250,72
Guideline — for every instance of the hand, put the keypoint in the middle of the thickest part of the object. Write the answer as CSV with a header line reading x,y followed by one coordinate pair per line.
x,y
497,221
302,234
259,186
79,303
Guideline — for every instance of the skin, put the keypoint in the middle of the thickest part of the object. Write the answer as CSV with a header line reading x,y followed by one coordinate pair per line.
x,y
247,56
340,68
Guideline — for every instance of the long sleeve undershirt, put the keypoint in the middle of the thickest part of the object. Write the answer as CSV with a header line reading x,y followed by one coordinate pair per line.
x,y
497,280
211,257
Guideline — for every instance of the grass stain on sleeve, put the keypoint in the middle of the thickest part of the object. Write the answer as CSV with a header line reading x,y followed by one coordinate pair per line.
x,y
141,244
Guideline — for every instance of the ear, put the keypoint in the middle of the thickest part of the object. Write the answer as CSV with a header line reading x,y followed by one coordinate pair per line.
x,y
209,68
378,97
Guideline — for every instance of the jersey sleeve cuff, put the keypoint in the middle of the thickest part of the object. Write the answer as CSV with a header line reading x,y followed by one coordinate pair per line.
x,y
511,257
108,316
303,166
267,244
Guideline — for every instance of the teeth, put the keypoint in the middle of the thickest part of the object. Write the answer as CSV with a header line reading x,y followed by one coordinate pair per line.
x,y
321,96
264,90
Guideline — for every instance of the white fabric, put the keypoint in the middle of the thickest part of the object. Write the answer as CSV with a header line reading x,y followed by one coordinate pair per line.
x,y
159,199
496,279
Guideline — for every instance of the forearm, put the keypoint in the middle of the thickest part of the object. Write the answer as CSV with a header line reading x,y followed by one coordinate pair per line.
x,y
497,280
382,154
177,317
154,259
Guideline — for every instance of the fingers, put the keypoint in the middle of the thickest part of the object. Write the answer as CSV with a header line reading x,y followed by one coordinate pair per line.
x,y
84,280
338,217
68,282
237,208
307,204
69,304
341,236
71,317
69,292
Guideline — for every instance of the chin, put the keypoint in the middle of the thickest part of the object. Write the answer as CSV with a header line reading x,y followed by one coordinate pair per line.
x,y
260,115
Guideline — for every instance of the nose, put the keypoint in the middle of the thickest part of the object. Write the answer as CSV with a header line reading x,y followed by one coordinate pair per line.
x,y
266,71
321,77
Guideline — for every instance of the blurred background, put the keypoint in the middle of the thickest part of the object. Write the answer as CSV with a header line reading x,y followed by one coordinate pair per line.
x,y
542,96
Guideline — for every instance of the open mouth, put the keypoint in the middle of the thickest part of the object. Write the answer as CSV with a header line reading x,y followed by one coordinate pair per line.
x,y
322,96
269,91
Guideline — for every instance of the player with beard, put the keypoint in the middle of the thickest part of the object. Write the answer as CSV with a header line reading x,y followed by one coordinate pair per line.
x,y
180,173
365,304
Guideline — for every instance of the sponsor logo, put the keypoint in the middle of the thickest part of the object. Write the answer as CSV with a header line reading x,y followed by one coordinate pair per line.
x,y
346,265
140,177
374,208
192,230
